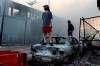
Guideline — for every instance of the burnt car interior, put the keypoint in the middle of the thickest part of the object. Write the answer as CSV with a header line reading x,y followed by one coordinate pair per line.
x,y
62,40
74,41
56,40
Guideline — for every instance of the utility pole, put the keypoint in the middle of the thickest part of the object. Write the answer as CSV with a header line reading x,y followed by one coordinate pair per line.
x,y
2,22
49,3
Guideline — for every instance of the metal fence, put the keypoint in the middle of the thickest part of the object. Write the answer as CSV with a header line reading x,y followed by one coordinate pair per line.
x,y
90,29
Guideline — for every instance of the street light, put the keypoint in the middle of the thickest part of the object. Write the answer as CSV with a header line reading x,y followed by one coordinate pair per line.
x,y
49,3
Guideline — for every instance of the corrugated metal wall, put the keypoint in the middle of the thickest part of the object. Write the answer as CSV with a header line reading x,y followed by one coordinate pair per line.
x,y
22,24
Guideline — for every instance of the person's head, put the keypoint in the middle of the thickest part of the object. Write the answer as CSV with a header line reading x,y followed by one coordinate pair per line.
x,y
69,21
46,8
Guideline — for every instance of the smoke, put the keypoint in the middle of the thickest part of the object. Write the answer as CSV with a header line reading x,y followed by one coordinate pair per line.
x,y
69,10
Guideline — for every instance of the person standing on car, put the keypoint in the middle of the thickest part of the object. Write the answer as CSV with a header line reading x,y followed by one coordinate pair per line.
x,y
70,28
47,23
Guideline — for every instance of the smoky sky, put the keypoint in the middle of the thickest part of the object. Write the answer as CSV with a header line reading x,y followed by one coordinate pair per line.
x,y
68,9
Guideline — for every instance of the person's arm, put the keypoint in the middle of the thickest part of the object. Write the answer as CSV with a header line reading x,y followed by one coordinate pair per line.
x,y
42,19
50,22
51,18
42,22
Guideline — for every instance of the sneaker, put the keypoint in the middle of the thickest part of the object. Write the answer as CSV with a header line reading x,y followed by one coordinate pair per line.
x,y
44,43
51,44
50,41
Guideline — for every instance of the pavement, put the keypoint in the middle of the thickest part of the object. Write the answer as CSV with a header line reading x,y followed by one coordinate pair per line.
x,y
23,48
26,49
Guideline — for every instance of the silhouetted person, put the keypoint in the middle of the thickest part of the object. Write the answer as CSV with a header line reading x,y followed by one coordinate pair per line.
x,y
70,28
47,23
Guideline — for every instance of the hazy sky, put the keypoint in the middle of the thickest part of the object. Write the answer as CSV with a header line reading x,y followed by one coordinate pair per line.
x,y
69,9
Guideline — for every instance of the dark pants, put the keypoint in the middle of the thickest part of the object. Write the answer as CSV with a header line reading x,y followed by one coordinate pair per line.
x,y
70,33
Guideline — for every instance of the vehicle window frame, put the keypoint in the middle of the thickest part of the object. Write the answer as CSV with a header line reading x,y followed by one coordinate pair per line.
x,y
56,39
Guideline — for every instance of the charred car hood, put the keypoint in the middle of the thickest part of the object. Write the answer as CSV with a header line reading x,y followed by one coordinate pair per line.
x,y
66,48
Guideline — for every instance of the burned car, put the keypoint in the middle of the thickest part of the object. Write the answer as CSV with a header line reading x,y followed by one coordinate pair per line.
x,y
62,50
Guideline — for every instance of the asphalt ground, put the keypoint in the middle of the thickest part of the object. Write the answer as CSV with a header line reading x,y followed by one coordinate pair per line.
x,y
26,48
